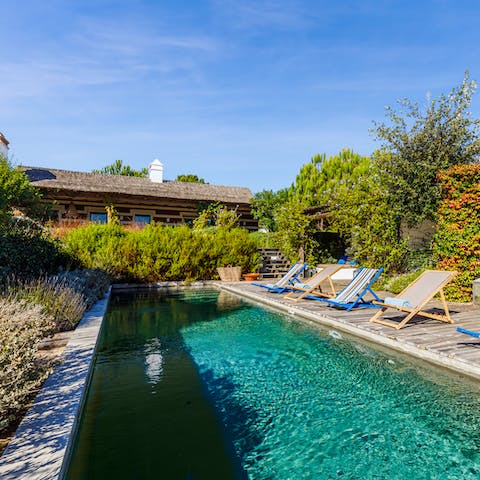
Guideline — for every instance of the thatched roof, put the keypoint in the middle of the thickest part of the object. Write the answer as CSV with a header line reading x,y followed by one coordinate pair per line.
x,y
67,180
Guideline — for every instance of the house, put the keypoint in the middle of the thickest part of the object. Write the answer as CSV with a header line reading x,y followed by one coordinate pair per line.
x,y
80,196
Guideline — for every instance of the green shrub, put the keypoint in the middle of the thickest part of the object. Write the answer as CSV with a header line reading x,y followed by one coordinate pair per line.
x,y
397,283
27,250
457,241
265,239
419,259
91,284
29,311
96,246
22,326
16,191
54,296
296,232
158,253
368,221
64,298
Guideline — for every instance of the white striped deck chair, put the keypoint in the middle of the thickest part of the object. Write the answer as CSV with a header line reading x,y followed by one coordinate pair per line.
x,y
352,296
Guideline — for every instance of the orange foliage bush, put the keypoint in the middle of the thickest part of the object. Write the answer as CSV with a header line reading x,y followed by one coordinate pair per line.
x,y
457,241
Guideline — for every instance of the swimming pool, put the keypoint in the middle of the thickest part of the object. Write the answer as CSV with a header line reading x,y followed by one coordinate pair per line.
x,y
203,385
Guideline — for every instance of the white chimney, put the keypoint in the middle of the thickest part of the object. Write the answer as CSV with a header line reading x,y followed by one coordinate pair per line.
x,y
3,145
155,171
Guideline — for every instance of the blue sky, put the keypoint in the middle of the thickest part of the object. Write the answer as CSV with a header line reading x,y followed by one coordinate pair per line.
x,y
238,92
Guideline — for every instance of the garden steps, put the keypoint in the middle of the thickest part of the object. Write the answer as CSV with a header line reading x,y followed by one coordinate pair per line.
x,y
274,263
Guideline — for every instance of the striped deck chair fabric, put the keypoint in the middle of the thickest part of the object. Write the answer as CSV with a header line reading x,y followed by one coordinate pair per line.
x,y
352,296
289,278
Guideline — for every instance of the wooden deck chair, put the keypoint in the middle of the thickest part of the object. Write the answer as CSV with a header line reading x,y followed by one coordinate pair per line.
x,y
413,299
288,279
352,296
313,284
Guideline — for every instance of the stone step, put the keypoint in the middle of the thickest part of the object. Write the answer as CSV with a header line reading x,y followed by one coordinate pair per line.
x,y
274,263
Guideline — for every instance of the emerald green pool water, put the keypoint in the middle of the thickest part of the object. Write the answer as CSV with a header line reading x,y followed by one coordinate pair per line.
x,y
200,385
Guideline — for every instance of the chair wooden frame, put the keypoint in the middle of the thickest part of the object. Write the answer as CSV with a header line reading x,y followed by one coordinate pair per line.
x,y
352,295
314,284
418,310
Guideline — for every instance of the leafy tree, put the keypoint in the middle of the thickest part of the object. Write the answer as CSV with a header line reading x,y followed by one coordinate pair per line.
x,y
118,168
307,186
216,215
368,220
318,178
227,218
264,206
189,178
16,191
314,185
422,142
112,212
296,232
207,213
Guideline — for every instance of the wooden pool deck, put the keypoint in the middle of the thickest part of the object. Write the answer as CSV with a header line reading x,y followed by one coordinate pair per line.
x,y
430,340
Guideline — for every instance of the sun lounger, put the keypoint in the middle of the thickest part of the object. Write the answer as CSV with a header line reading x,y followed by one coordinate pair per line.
x,y
313,284
352,296
413,299
288,279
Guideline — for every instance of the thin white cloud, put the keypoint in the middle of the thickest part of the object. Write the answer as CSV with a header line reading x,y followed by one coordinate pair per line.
x,y
258,13
139,39
33,78
99,54
290,14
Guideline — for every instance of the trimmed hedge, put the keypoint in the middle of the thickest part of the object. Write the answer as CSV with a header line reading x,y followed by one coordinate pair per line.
x,y
158,253
457,241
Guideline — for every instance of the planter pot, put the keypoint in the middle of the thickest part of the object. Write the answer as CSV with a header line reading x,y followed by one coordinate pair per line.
x,y
230,274
250,277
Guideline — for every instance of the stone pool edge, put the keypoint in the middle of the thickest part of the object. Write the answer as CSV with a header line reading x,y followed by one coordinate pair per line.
x,y
324,320
43,440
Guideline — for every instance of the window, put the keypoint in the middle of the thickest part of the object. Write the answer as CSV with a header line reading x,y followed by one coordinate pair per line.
x,y
98,217
142,218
